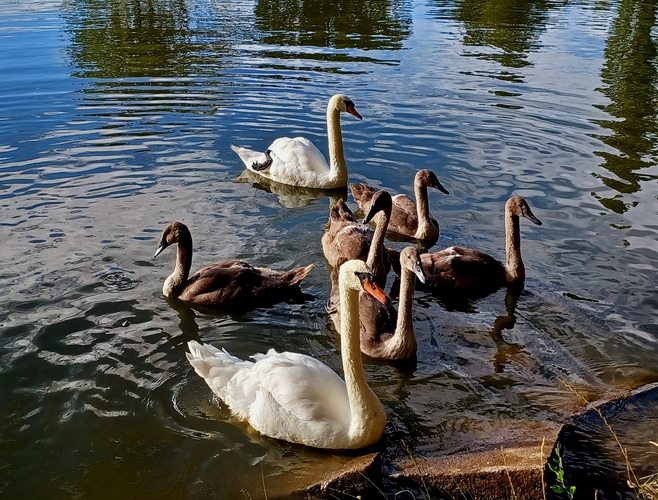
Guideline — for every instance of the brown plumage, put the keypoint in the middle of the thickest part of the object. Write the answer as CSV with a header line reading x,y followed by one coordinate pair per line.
x,y
408,218
347,239
387,333
464,272
232,283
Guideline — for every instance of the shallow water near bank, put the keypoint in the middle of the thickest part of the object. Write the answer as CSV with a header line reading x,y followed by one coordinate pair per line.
x,y
117,119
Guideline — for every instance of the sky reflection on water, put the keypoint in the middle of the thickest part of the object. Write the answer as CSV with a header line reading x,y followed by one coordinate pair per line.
x,y
117,118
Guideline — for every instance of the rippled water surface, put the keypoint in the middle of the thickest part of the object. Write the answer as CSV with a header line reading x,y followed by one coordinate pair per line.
x,y
116,118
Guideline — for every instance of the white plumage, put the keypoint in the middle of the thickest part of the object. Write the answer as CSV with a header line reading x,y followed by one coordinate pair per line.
x,y
295,397
297,161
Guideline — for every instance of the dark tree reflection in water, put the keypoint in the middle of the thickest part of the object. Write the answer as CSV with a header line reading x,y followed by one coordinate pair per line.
x,y
341,24
630,78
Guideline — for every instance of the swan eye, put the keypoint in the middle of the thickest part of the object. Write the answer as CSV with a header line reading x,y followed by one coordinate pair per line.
x,y
366,279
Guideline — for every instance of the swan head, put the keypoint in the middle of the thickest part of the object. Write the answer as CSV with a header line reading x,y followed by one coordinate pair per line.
x,y
410,260
519,207
339,211
356,275
428,178
344,104
381,202
173,233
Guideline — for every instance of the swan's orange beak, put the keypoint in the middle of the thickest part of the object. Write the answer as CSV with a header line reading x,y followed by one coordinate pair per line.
x,y
370,286
352,110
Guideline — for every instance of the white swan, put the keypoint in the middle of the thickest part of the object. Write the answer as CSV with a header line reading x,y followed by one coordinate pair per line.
x,y
298,162
295,397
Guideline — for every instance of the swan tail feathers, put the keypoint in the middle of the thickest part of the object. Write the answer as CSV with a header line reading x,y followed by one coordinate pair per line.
x,y
299,273
216,366
263,165
253,160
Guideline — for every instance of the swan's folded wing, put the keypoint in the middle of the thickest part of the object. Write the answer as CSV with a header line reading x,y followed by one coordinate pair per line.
x,y
463,270
353,242
231,278
339,212
303,386
362,194
404,216
239,283
464,259
218,368
296,156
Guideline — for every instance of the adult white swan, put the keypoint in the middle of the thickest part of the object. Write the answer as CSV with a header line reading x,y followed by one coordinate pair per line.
x,y
298,162
295,397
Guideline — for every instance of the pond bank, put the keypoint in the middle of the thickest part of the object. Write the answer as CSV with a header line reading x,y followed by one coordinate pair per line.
x,y
515,467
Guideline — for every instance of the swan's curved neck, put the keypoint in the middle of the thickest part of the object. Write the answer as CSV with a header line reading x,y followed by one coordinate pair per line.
x,y
514,268
176,280
375,258
404,340
337,165
367,412
426,228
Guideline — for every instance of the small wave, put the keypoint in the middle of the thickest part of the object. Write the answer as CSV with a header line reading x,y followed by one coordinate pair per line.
x,y
117,280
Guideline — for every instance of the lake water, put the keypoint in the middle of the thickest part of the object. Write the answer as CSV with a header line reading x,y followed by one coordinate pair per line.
x,y
116,118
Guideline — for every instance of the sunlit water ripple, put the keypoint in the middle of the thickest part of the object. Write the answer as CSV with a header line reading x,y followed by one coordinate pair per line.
x,y
109,130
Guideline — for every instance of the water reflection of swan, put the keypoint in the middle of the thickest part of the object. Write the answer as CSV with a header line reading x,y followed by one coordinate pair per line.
x,y
464,272
232,283
505,350
408,218
385,332
298,162
187,318
295,397
291,196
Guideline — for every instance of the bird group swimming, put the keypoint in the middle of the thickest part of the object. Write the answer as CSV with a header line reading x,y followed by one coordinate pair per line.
x,y
292,396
